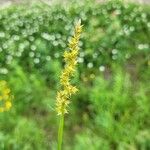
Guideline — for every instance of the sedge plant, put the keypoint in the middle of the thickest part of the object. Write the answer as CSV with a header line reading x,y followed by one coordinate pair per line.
x,y
67,89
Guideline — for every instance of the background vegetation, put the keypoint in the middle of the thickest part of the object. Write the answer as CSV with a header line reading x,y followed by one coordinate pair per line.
x,y
111,109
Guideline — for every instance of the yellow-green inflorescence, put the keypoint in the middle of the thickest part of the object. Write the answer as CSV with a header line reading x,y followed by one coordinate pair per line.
x,y
70,58
5,97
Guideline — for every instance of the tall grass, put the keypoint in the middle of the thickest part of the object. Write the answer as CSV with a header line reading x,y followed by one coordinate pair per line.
x,y
67,89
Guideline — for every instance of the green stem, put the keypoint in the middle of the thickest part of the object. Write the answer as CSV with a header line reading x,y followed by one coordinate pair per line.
x,y
60,131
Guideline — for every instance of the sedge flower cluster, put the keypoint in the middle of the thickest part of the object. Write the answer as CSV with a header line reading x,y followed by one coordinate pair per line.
x,y
70,58
5,97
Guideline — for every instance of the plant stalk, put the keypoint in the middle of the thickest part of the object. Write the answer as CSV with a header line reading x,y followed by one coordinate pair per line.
x,y
60,132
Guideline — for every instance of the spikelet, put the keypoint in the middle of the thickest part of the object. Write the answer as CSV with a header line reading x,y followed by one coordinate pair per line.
x,y
5,97
70,58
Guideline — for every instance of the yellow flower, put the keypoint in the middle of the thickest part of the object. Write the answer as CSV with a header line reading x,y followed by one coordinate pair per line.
x,y
6,91
8,105
2,109
5,96
70,58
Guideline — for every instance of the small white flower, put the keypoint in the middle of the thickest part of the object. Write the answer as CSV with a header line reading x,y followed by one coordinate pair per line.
x,y
140,46
18,54
95,55
3,71
31,54
33,47
143,15
46,36
16,38
56,55
48,58
90,65
9,57
55,43
2,34
143,46
114,51
80,60
58,36
82,54
114,57
102,68
31,38
5,46
36,60
132,28
21,46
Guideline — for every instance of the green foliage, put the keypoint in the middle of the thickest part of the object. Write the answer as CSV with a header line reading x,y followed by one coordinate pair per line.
x,y
111,109
118,110
26,135
114,32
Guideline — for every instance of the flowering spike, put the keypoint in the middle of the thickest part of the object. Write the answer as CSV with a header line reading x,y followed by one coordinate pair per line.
x,y
70,58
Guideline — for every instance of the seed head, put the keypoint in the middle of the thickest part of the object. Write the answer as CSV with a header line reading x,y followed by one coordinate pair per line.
x,y
70,58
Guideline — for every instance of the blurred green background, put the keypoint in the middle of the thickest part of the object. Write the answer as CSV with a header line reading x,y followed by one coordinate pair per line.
x,y
111,111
